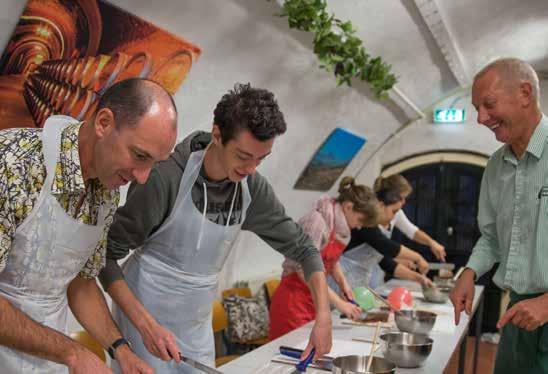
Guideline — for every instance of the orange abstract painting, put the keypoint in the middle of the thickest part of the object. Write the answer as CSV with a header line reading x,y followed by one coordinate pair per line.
x,y
64,54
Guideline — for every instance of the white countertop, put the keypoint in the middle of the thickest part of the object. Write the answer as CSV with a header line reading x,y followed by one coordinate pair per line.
x,y
446,339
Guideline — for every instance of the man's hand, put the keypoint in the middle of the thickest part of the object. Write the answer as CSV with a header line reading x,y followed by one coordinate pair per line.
x,y
527,314
160,342
438,250
82,361
462,296
320,337
130,363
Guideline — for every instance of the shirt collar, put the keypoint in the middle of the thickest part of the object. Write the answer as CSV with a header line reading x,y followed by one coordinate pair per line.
x,y
536,143
538,140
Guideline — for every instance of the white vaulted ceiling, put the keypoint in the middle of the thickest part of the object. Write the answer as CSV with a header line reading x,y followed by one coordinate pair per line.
x,y
434,47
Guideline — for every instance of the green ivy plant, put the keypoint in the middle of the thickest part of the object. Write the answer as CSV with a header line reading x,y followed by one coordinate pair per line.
x,y
338,48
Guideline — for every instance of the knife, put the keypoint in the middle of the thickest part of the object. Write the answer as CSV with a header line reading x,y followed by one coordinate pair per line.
x,y
440,265
198,365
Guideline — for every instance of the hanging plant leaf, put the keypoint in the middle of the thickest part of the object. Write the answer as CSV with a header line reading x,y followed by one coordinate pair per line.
x,y
338,48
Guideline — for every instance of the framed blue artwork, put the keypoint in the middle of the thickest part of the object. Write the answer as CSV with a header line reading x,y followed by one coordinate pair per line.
x,y
330,160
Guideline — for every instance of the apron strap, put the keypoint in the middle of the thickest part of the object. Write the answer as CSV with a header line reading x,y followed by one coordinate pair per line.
x,y
200,235
51,144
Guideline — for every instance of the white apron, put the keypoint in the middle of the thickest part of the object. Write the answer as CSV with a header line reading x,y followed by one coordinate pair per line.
x,y
48,251
357,265
175,274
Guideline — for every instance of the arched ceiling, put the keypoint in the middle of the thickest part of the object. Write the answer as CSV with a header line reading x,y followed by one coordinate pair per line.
x,y
436,46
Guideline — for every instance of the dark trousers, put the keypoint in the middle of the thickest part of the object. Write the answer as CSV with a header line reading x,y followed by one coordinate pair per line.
x,y
521,351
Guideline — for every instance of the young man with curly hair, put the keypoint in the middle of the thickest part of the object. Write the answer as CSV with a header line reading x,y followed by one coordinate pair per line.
x,y
183,223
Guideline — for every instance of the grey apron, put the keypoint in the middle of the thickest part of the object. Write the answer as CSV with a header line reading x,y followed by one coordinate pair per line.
x,y
175,274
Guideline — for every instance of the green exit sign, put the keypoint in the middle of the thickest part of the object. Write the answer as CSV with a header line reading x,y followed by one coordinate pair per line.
x,y
450,115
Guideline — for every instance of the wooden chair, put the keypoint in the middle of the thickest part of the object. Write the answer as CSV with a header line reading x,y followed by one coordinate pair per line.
x,y
270,287
90,343
220,323
242,292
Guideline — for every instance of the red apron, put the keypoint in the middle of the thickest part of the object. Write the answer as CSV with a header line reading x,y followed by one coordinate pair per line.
x,y
292,305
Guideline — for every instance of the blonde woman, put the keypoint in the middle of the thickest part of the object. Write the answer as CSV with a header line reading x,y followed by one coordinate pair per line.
x,y
328,224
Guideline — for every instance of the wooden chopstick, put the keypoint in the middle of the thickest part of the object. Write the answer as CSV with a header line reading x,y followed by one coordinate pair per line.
x,y
384,325
370,360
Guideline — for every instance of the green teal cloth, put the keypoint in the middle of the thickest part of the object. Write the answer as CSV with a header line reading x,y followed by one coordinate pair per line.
x,y
513,217
521,351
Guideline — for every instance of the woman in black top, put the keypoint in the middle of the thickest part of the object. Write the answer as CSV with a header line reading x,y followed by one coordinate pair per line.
x,y
390,250
369,246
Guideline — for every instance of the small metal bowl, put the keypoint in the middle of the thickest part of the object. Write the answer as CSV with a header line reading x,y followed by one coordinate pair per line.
x,y
406,350
415,321
358,364
436,294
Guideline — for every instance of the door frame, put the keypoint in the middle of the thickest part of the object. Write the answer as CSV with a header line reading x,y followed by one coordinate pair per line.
x,y
449,156
435,157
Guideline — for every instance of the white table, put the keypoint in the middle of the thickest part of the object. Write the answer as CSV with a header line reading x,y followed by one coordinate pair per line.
x,y
445,343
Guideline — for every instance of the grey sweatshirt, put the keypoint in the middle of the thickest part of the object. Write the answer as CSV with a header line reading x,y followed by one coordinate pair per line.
x,y
149,205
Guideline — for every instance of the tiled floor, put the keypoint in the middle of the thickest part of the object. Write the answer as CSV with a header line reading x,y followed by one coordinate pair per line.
x,y
486,358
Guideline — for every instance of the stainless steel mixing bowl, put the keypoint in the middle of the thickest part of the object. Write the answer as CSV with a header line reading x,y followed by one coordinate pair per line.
x,y
406,350
358,364
415,321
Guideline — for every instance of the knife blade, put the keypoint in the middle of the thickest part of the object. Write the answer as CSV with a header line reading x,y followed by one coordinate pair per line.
x,y
198,365
440,265
319,365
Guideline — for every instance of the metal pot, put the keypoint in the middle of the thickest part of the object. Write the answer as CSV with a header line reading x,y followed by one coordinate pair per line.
x,y
406,350
345,364
358,364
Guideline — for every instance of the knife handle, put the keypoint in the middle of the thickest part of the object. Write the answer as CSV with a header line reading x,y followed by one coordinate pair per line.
x,y
291,352
301,366
353,302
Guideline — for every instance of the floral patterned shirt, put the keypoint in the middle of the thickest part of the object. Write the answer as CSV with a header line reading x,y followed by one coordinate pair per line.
x,y
22,175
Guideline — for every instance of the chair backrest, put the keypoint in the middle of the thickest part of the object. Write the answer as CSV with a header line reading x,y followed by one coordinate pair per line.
x,y
243,292
220,319
220,324
90,343
271,286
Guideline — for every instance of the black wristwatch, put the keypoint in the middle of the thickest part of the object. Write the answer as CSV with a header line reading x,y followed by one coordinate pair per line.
x,y
115,345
